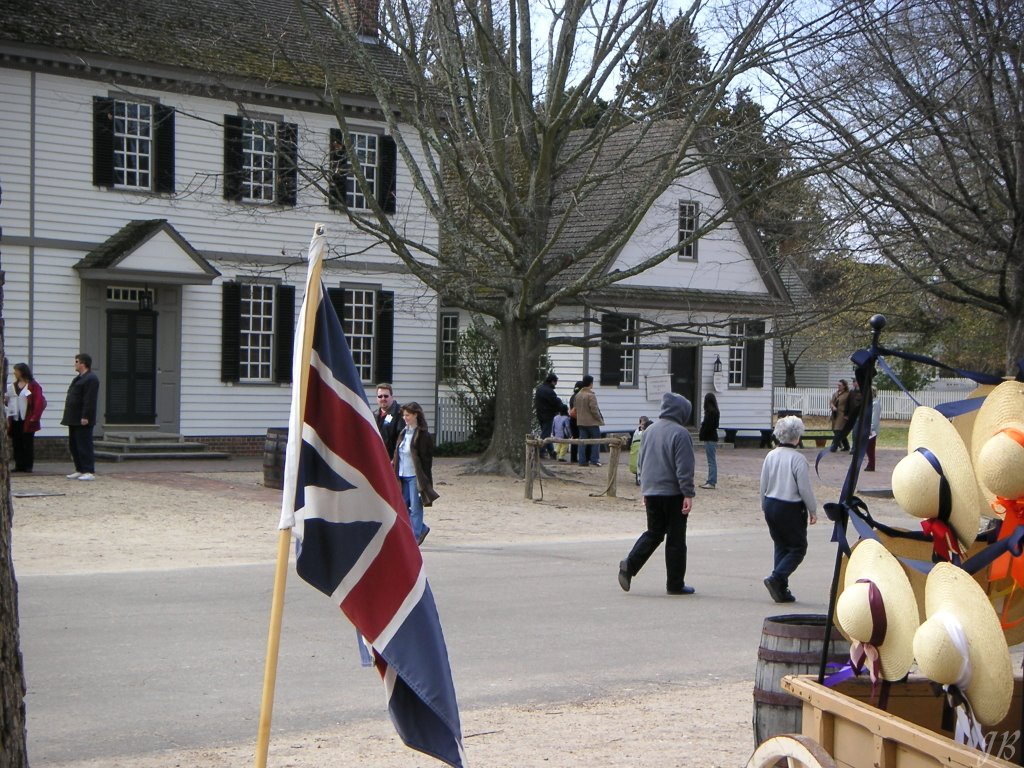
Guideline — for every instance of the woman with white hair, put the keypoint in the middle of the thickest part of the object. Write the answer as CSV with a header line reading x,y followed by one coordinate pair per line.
x,y
788,503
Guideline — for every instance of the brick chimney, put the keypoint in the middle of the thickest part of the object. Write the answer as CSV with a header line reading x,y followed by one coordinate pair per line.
x,y
362,15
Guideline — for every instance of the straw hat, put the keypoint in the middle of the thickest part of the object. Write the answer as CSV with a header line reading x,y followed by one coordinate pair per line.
x,y
996,444
872,564
962,643
916,484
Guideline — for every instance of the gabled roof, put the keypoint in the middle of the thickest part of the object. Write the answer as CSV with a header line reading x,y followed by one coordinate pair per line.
x,y
627,162
257,40
150,250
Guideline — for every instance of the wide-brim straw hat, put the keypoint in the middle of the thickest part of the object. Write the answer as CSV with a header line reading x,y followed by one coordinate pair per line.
x,y
998,457
916,484
872,562
955,603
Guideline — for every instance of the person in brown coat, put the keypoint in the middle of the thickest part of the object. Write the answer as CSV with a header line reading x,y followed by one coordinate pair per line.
x,y
590,421
413,461
840,416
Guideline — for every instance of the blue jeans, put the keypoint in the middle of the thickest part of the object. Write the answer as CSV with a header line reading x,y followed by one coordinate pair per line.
x,y
589,453
711,451
787,523
412,501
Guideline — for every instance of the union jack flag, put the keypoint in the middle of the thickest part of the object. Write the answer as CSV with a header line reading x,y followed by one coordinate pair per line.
x,y
354,540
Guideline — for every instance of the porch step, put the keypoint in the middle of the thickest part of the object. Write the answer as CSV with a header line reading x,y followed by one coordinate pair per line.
x,y
148,443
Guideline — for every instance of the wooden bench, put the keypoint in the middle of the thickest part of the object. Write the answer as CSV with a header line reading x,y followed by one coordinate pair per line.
x,y
763,435
821,437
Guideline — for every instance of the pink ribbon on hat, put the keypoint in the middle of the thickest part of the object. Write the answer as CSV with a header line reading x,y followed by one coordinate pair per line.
x,y
866,653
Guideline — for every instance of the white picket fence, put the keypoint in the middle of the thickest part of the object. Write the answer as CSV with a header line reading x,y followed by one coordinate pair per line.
x,y
896,405
454,422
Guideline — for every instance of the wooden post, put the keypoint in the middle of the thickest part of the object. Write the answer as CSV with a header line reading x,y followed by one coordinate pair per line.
x,y
530,451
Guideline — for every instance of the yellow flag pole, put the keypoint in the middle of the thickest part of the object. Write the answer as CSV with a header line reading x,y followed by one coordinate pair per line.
x,y
300,375
273,645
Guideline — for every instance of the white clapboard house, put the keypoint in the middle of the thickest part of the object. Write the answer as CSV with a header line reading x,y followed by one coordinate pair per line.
x,y
159,166
713,298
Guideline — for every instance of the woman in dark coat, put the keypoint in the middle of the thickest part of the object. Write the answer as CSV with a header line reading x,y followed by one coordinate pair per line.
x,y
709,436
413,462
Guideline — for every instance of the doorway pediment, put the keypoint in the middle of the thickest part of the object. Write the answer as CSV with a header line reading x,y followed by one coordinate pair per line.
x,y
152,251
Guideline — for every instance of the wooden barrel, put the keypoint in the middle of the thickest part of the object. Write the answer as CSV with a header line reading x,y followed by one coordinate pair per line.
x,y
273,457
790,645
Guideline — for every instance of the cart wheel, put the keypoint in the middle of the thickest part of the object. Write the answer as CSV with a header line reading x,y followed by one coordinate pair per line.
x,y
792,751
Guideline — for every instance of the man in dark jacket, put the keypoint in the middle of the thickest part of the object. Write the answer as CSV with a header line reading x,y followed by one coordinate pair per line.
x,y
666,466
387,415
80,418
547,404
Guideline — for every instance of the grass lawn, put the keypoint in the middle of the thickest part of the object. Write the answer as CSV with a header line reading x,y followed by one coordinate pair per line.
x,y
893,434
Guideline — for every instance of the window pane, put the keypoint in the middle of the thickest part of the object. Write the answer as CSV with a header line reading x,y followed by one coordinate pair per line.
x,y
449,345
257,337
133,144
358,324
687,227
366,152
737,332
629,352
259,153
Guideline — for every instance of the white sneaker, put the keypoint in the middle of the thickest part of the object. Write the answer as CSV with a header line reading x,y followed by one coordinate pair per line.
x,y
87,476
73,476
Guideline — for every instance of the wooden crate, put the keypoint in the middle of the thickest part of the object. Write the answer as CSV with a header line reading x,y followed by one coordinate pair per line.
x,y
909,734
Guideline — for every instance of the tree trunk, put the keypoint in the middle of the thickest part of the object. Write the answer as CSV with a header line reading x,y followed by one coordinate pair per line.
x,y
13,740
517,377
1014,344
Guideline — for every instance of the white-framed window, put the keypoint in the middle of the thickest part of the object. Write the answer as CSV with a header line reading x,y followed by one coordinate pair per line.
x,y
256,339
746,354
259,160
133,144
736,353
619,350
689,213
358,322
123,294
449,351
630,353
366,152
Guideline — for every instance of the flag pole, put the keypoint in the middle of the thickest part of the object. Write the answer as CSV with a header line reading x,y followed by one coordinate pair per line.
x,y
300,377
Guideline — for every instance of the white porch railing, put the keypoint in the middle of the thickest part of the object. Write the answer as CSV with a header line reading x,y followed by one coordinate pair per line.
x,y
814,401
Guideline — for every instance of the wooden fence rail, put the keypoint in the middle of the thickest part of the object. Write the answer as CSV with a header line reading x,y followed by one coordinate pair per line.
x,y
533,466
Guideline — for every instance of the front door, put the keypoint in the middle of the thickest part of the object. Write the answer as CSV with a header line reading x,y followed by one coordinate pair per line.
x,y
131,366
683,369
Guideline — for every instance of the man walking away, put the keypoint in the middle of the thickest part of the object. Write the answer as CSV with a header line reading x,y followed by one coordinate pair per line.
x,y
547,404
666,467
80,418
590,421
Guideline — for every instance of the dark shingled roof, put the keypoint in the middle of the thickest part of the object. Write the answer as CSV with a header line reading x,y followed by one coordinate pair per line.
x,y
627,163
258,40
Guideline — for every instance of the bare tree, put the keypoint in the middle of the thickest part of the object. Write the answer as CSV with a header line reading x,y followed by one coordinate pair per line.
x,y
488,123
921,106
13,736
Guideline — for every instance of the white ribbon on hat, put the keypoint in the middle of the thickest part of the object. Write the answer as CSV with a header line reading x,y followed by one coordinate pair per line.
x,y
968,729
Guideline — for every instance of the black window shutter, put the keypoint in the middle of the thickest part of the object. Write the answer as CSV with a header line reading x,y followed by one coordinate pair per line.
x,y
284,332
753,356
230,330
233,157
387,177
337,299
102,142
337,164
384,341
163,148
613,330
287,163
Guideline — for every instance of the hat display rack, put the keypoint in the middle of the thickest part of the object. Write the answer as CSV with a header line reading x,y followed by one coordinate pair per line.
x,y
959,640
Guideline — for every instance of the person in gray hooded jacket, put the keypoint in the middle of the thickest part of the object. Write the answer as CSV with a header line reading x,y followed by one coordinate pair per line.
x,y
666,466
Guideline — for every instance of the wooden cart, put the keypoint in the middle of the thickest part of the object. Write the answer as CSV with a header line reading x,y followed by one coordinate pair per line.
x,y
842,730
